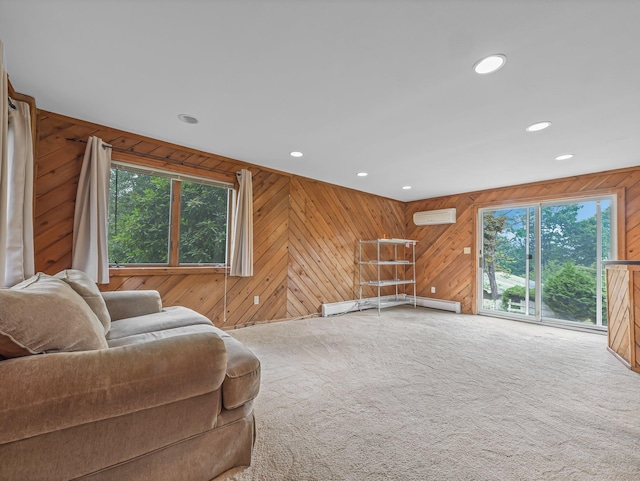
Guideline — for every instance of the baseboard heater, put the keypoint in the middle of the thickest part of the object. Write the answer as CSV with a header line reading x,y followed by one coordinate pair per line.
x,y
442,304
343,307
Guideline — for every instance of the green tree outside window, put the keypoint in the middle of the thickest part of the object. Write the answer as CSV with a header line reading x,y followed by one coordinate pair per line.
x,y
140,220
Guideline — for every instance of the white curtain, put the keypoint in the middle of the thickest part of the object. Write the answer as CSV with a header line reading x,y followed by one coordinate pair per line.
x,y
242,240
90,220
4,169
16,188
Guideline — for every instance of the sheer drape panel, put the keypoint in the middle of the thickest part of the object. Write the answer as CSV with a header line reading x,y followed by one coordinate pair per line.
x,y
242,242
90,221
16,190
18,246
4,168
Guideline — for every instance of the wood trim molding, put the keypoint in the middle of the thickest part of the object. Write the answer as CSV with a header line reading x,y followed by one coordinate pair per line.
x,y
174,230
474,256
175,167
621,222
164,271
618,192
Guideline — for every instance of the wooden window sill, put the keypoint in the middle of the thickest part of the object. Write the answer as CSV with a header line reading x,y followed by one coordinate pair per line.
x,y
164,270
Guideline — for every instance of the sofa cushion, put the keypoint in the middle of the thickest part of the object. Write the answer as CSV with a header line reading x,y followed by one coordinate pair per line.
x,y
44,314
168,318
84,285
242,380
126,304
163,334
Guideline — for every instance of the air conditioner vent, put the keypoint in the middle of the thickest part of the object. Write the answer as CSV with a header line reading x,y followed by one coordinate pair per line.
x,y
434,217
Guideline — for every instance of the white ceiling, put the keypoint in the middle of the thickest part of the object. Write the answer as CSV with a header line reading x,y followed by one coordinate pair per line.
x,y
385,87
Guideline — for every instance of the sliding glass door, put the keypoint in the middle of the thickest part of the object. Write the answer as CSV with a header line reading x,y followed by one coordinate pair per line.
x,y
508,273
543,261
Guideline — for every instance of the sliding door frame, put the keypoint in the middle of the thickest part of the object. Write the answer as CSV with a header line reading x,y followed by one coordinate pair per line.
x,y
618,248
535,317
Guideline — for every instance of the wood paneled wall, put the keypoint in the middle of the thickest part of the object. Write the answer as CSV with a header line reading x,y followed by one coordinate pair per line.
x,y
623,306
205,292
441,262
620,309
305,232
326,223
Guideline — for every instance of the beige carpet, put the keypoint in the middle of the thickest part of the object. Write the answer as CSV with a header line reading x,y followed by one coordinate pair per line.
x,y
423,395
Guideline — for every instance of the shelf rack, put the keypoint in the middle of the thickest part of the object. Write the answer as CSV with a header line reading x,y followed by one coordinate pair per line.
x,y
386,254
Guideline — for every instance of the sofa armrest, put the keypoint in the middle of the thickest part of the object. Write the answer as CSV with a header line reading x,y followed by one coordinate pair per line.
x,y
125,304
48,392
242,382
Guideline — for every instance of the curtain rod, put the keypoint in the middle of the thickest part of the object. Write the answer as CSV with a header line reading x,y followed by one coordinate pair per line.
x,y
157,157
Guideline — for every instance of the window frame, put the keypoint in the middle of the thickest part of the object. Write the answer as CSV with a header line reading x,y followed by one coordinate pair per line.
x,y
173,265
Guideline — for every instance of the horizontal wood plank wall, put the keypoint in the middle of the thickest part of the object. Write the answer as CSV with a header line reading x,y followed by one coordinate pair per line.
x,y
325,224
58,169
440,259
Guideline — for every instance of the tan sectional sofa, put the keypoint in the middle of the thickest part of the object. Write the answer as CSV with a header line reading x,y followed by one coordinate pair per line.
x,y
113,386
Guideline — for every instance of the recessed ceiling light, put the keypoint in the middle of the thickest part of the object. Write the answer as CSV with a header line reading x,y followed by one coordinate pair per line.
x,y
188,119
362,174
406,187
538,126
296,154
490,64
564,157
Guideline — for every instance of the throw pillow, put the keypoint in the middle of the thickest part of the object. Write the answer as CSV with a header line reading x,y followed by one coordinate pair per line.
x,y
43,314
84,285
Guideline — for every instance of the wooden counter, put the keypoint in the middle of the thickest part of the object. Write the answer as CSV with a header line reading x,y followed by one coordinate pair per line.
x,y
623,311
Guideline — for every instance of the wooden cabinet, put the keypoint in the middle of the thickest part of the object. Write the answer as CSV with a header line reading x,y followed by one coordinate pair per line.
x,y
388,265
623,311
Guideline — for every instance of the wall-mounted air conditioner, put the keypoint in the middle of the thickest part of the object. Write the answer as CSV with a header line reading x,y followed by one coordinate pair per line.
x,y
434,217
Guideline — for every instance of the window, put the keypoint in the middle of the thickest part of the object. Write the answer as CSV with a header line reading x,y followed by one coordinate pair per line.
x,y
203,224
158,218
